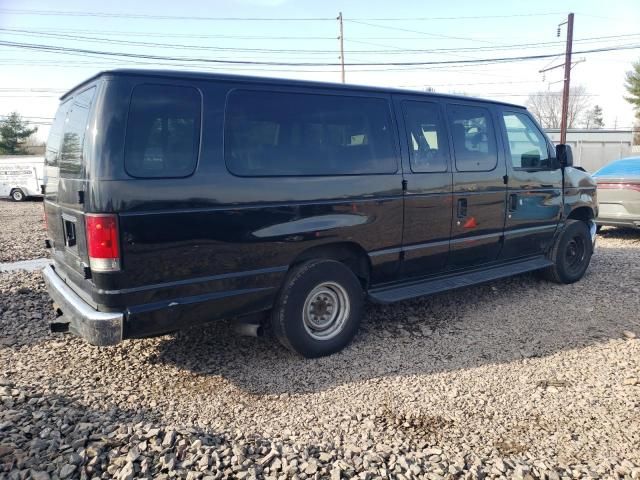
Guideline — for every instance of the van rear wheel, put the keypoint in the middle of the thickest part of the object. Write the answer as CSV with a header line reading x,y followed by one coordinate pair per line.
x,y
319,309
571,254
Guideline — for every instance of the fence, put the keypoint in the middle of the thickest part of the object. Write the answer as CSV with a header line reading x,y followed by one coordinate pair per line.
x,y
593,149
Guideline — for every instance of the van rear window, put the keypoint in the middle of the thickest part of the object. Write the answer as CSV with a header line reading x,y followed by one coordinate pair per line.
x,y
75,128
293,134
55,135
163,131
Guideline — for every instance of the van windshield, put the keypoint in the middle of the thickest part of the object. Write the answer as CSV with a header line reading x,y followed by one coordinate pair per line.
x,y
66,138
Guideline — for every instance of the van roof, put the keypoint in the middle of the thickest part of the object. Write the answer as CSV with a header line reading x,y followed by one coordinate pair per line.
x,y
269,80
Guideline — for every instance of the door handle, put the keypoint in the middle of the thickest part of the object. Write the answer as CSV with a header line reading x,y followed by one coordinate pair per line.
x,y
462,207
513,202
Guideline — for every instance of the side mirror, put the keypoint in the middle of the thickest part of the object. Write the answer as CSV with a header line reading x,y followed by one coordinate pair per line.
x,y
564,155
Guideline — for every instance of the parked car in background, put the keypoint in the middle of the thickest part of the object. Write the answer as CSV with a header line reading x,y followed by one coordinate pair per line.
x,y
619,193
202,196
21,176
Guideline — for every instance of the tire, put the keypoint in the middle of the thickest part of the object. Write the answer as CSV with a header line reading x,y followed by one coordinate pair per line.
x,y
303,319
571,254
18,195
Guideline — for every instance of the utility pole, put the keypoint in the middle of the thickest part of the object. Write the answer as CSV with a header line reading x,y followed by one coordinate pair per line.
x,y
341,38
567,78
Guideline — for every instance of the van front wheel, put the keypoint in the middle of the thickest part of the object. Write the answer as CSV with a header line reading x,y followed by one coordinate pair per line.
x,y
571,254
17,195
319,309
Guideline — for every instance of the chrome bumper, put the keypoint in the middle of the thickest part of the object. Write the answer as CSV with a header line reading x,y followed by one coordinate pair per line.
x,y
98,328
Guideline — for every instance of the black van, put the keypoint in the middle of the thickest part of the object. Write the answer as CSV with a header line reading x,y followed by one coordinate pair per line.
x,y
177,198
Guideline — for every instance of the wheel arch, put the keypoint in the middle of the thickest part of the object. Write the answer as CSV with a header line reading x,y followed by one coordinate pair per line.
x,y
584,213
349,253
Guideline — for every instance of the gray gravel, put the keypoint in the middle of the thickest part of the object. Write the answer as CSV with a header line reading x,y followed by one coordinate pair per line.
x,y
516,379
21,230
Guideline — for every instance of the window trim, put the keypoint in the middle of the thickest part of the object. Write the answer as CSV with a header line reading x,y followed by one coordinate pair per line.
x,y
393,128
200,133
443,125
495,136
507,149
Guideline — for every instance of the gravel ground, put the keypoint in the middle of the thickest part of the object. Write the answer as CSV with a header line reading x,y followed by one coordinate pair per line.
x,y
516,379
21,230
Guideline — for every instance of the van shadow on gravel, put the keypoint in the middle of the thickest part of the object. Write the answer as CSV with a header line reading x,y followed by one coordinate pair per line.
x,y
505,321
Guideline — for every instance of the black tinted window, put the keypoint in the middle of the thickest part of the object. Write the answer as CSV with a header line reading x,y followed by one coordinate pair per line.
x,y
75,127
269,133
428,147
56,133
527,145
163,131
474,140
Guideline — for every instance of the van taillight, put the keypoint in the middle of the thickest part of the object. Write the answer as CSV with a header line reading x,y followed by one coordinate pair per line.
x,y
102,242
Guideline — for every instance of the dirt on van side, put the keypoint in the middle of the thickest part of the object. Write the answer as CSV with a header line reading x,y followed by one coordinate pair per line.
x,y
519,378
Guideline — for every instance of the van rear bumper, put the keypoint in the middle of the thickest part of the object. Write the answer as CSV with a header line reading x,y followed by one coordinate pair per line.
x,y
98,328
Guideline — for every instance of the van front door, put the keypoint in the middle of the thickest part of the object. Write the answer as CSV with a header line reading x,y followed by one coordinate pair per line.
x,y
479,191
534,194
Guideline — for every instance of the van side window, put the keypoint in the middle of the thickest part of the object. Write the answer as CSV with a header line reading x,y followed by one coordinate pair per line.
x,y
74,129
474,140
527,145
428,145
54,141
294,134
163,131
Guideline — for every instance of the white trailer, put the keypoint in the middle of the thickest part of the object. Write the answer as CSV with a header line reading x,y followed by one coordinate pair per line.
x,y
21,176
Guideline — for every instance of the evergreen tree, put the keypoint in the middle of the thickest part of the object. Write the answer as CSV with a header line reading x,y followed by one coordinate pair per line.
x,y
594,118
632,84
13,133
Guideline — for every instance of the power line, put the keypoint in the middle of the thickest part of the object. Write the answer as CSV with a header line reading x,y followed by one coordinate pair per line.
x,y
158,17
70,50
470,17
429,34
111,41
176,17
292,51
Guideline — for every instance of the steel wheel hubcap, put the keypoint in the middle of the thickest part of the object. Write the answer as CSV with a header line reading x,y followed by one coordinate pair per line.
x,y
326,310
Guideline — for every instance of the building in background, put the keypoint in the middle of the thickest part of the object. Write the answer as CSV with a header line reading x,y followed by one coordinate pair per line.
x,y
594,148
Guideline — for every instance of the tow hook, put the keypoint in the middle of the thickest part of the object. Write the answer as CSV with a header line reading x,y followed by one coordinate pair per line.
x,y
60,324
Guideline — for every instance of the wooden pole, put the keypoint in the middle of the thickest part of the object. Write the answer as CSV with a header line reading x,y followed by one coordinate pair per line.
x,y
567,81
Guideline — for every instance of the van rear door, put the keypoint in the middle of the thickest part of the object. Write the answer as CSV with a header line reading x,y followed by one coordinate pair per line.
x,y
66,162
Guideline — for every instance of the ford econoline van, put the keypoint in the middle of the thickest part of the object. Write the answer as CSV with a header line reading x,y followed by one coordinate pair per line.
x,y
175,198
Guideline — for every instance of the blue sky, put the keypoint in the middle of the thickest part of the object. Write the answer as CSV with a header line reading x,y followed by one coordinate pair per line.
x,y
32,80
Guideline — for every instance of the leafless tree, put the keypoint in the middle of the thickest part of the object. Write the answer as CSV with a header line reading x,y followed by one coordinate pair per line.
x,y
547,107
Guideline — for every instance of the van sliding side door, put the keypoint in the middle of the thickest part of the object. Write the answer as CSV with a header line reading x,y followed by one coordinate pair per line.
x,y
479,193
